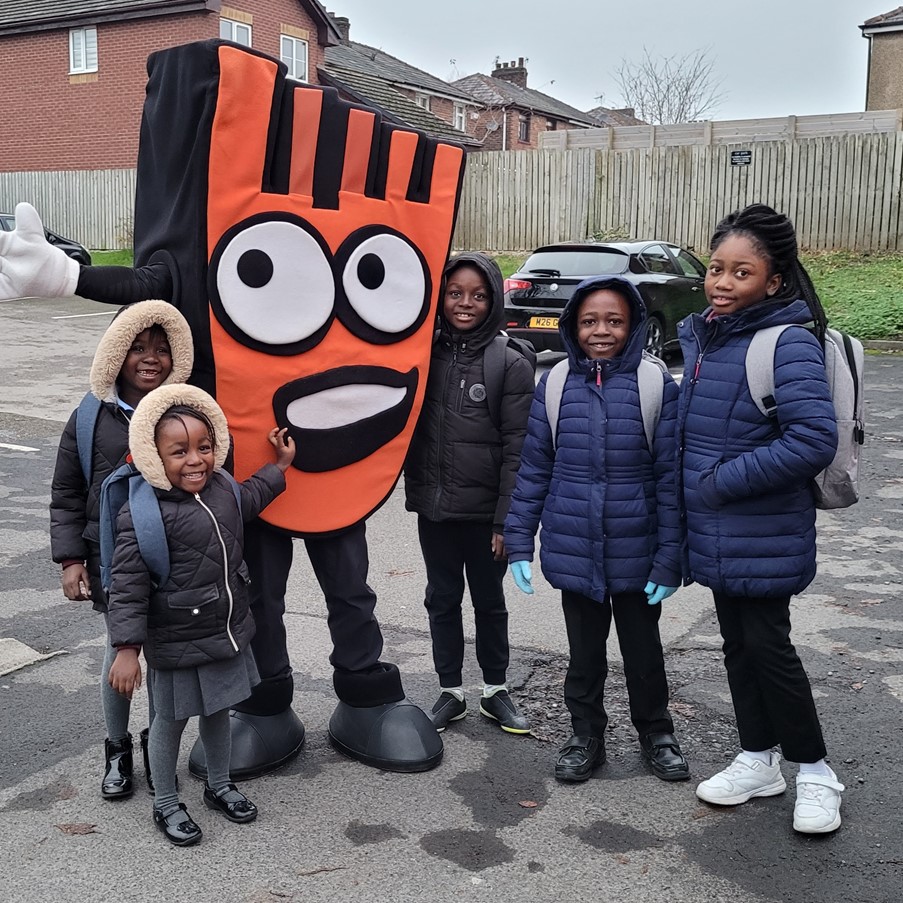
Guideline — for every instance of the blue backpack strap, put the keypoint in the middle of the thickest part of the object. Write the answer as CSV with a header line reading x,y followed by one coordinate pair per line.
x,y
113,494
148,523
234,485
85,422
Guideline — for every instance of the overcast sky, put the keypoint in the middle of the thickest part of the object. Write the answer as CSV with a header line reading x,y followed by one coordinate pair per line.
x,y
773,57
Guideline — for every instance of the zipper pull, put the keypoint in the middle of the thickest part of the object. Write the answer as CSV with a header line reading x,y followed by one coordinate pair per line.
x,y
598,366
695,378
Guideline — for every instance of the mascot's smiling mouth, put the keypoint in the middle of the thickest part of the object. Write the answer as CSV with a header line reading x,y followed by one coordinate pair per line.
x,y
344,415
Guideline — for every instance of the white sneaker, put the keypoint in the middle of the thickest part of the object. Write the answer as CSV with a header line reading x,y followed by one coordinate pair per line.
x,y
817,809
743,779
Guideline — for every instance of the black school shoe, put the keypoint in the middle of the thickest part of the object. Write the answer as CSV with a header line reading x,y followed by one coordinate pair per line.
x,y
662,751
448,708
178,826
117,781
500,707
578,757
231,802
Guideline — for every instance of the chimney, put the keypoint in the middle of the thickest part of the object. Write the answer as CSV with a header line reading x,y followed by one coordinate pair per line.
x,y
516,73
344,27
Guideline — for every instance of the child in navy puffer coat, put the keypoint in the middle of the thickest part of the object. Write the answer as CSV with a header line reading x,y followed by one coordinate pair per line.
x,y
611,535
749,503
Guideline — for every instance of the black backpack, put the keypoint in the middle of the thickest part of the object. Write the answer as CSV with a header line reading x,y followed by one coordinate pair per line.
x,y
494,370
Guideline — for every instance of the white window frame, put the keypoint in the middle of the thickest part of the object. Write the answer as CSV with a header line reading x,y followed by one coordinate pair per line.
x,y
237,32
460,117
82,50
289,52
422,100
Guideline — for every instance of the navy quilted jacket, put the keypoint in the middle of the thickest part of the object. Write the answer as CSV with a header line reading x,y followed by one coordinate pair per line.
x,y
606,505
746,480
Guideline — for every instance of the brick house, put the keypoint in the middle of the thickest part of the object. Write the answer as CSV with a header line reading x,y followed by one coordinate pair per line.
x,y
77,70
512,116
402,93
884,87
605,116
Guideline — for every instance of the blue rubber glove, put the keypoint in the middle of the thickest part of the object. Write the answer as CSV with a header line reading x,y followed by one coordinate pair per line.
x,y
656,593
523,576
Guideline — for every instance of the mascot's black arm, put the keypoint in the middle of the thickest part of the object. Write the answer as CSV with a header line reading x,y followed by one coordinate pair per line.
x,y
125,285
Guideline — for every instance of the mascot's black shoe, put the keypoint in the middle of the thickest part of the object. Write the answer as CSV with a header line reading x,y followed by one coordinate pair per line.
x,y
376,725
260,744
397,736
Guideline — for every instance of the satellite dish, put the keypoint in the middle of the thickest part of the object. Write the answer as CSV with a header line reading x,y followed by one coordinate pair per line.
x,y
492,125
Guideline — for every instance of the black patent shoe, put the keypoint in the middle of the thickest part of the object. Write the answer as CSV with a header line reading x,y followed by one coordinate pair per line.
x,y
178,826
231,802
578,757
117,781
662,752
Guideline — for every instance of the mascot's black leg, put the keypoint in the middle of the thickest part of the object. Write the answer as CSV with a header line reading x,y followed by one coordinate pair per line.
x,y
373,721
266,733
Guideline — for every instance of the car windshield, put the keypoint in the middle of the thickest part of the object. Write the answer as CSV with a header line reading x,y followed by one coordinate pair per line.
x,y
576,262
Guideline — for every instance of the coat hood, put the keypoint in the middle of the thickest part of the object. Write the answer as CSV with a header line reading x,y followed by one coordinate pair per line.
x,y
483,334
629,358
757,316
147,415
114,345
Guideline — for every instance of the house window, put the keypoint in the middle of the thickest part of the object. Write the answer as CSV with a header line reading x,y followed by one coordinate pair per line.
x,y
294,54
523,128
82,50
422,100
239,32
460,122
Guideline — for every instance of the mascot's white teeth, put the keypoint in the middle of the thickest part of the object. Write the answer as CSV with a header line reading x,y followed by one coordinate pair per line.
x,y
341,406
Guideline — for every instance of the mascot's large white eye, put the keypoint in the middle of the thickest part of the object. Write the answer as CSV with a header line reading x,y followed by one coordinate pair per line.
x,y
275,283
385,283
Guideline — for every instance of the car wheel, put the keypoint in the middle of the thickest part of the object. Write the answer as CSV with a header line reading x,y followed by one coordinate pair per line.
x,y
654,341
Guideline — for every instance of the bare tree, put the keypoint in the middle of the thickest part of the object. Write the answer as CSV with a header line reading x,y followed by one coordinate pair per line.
x,y
670,88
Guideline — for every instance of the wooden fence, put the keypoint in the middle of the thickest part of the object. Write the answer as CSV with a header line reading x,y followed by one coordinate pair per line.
x,y
841,192
727,131
94,207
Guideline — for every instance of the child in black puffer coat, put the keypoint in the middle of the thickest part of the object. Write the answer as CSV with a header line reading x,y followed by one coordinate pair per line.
x,y
196,627
459,475
147,345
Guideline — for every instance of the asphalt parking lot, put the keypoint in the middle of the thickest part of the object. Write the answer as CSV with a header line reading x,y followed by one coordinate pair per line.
x,y
490,823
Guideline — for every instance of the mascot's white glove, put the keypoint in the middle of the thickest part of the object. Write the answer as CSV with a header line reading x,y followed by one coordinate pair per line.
x,y
31,267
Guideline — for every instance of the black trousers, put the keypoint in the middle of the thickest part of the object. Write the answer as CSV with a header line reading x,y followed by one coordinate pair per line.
x,y
452,549
340,564
770,690
588,624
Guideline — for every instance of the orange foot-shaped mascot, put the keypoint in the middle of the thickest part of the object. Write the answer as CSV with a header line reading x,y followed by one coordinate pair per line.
x,y
303,239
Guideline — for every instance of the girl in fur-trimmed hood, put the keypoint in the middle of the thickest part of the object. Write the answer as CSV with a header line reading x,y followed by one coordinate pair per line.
x,y
195,625
147,345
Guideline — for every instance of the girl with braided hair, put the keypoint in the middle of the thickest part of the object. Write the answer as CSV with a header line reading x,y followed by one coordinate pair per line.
x,y
749,504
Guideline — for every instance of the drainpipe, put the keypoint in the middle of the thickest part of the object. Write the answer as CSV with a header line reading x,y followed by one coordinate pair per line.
x,y
504,128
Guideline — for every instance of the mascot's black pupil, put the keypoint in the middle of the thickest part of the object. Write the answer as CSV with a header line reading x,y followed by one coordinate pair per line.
x,y
371,271
255,268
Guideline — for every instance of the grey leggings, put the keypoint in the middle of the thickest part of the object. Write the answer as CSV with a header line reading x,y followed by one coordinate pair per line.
x,y
163,750
116,708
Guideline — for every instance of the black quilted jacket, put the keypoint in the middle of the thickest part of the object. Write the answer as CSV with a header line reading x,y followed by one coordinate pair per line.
x,y
75,505
202,613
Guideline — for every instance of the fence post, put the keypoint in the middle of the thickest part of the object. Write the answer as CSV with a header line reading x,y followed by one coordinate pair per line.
x,y
791,128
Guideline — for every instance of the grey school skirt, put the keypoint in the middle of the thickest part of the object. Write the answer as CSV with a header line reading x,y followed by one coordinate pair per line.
x,y
204,690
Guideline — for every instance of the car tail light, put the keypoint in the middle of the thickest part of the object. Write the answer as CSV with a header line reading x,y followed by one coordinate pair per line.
x,y
516,285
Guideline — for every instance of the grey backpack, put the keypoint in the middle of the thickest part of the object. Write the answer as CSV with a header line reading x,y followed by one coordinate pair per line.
x,y
650,380
837,486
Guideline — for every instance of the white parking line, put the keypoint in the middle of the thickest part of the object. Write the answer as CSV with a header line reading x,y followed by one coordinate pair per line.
x,y
17,447
103,313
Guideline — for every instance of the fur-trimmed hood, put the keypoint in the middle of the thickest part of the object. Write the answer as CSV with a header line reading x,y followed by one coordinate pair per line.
x,y
115,343
147,415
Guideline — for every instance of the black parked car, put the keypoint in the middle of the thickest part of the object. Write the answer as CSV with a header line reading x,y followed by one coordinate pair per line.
x,y
670,280
72,248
